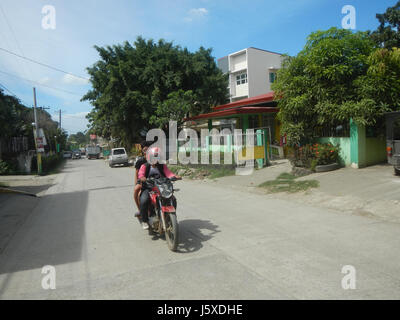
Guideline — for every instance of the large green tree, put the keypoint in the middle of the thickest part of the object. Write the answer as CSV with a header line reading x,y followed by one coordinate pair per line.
x,y
16,120
139,86
320,86
387,34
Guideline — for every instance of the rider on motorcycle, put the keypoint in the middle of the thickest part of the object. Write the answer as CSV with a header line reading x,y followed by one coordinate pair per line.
x,y
153,168
144,145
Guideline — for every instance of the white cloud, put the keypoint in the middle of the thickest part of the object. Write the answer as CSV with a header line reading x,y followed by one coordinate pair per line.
x,y
70,79
195,13
198,12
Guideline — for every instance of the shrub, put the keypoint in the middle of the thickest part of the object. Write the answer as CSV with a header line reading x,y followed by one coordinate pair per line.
x,y
5,167
49,163
326,153
311,155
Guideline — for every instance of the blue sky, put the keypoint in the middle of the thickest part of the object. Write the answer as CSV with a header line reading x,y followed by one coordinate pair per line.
x,y
226,26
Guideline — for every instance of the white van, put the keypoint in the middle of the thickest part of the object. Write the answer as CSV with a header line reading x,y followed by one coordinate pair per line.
x,y
118,156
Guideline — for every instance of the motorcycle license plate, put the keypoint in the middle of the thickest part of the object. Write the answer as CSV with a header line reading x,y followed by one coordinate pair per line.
x,y
168,209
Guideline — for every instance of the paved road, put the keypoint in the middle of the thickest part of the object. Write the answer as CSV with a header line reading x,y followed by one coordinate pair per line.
x,y
234,245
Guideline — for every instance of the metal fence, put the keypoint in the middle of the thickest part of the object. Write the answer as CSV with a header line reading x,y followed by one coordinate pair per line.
x,y
337,130
14,145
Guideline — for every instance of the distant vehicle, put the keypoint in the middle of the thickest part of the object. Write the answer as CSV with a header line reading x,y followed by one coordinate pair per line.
x,y
67,154
118,156
83,151
93,152
76,154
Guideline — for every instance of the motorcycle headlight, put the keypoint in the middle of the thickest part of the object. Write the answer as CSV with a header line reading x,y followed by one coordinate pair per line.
x,y
165,191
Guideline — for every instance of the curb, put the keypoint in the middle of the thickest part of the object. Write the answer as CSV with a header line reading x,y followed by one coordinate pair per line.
x,y
7,190
327,167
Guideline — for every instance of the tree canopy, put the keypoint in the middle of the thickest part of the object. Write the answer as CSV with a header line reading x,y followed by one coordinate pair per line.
x,y
320,86
387,35
139,86
16,120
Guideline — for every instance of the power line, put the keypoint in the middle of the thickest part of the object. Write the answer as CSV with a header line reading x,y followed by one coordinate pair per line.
x,y
40,84
43,64
15,38
14,95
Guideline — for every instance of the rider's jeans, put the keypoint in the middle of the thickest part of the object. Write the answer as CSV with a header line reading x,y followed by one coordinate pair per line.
x,y
144,205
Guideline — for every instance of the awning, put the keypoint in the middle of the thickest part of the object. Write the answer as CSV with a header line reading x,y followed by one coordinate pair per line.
x,y
259,104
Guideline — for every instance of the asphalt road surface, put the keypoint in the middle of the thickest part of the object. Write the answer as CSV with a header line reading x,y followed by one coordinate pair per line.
x,y
233,245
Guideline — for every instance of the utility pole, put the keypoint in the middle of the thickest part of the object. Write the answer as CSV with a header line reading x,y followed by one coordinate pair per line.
x,y
38,154
59,119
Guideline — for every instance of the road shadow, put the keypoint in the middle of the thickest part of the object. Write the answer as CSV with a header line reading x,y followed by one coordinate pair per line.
x,y
31,189
111,187
193,232
49,232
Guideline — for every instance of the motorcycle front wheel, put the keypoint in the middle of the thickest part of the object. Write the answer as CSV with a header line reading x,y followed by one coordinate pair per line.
x,y
171,223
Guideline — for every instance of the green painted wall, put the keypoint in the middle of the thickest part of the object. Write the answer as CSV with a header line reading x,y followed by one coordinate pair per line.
x,y
344,143
358,150
353,143
375,151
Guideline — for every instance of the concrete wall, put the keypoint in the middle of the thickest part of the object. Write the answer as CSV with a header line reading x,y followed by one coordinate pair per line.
x,y
223,64
358,150
375,151
238,62
259,62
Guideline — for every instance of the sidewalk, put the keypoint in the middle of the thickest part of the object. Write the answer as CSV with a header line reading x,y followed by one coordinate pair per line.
x,y
373,191
258,175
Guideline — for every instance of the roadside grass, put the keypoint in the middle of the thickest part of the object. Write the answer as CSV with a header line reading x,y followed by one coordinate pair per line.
x,y
220,172
203,171
286,182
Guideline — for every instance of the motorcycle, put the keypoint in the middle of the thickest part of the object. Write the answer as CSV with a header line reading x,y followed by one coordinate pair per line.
x,y
162,209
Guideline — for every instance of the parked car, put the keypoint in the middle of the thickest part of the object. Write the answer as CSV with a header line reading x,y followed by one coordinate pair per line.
x,y
76,154
118,156
67,154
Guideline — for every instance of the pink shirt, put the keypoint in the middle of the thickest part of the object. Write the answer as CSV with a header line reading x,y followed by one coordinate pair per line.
x,y
142,171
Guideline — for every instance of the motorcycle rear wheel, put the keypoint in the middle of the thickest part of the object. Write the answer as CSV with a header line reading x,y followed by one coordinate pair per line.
x,y
171,223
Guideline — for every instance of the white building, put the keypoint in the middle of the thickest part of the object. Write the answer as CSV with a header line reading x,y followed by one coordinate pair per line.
x,y
251,72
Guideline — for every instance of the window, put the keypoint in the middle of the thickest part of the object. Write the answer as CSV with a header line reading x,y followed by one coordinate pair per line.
x,y
272,77
119,151
241,79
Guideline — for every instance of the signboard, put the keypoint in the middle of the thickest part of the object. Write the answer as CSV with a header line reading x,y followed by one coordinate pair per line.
x,y
93,137
40,144
256,152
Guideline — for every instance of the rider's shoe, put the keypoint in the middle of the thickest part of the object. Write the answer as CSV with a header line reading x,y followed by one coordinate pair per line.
x,y
145,225
137,214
